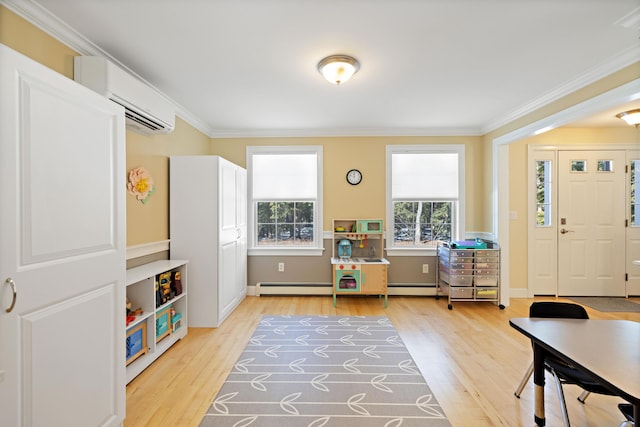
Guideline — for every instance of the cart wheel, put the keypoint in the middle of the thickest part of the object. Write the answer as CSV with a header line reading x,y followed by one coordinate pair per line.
x,y
501,306
437,297
450,307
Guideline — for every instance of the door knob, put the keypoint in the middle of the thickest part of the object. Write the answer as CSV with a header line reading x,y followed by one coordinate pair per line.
x,y
565,231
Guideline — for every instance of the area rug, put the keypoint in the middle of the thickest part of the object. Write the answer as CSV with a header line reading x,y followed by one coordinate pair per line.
x,y
325,371
612,304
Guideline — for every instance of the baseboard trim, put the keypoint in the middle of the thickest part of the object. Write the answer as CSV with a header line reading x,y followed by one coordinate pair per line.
x,y
275,288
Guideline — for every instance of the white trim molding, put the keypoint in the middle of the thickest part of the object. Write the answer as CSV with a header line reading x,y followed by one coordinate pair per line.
x,y
144,249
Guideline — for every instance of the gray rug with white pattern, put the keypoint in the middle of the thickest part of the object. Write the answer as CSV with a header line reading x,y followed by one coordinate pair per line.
x,y
321,371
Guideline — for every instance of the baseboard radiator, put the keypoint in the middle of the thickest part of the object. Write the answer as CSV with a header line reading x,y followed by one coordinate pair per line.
x,y
283,288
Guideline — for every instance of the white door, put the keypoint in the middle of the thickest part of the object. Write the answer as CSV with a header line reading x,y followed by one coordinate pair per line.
x,y
232,181
591,223
241,223
62,250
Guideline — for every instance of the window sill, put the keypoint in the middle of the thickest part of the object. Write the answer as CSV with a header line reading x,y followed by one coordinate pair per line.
x,y
285,251
411,252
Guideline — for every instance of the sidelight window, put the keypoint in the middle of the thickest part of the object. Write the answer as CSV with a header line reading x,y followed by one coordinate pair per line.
x,y
543,193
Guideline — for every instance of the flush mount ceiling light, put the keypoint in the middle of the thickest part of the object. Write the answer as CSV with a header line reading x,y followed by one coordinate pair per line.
x,y
337,69
632,117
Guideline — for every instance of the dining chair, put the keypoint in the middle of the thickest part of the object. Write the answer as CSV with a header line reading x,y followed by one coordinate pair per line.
x,y
562,372
627,411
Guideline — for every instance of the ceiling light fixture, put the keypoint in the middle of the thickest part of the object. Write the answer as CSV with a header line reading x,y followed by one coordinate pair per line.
x,y
337,69
632,117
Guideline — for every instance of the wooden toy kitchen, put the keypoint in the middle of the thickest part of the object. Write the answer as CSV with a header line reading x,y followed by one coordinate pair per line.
x,y
356,259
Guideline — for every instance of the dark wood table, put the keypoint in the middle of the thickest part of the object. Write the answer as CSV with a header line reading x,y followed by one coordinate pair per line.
x,y
607,350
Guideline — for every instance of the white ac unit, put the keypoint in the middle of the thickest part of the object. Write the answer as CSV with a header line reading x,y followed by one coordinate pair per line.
x,y
146,111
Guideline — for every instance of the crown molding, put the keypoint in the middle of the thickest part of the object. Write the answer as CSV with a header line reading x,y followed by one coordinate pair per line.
x,y
616,63
347,132
627,92
61,31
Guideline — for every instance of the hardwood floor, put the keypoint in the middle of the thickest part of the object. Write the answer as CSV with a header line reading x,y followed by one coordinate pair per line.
x,y
470,356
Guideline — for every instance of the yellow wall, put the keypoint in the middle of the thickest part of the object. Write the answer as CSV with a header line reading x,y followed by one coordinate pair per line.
x,y
518,164
599,87
23,37
148,222
368,154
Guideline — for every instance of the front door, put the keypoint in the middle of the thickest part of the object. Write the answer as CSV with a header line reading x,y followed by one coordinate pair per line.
x,y
591,223
62,250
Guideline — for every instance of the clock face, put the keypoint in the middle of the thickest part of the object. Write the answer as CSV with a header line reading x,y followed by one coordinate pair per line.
x,y
354,177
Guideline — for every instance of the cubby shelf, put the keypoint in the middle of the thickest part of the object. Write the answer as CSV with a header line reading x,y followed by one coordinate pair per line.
x,y
141,332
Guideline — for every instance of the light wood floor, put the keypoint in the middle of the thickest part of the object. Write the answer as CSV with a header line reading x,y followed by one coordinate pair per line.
x,y
470,356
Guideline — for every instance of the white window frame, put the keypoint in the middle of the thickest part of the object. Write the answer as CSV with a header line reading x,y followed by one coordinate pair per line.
x,y
318,247
458,213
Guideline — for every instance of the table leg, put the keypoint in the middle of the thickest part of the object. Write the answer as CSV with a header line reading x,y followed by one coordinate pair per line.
x,y
538,380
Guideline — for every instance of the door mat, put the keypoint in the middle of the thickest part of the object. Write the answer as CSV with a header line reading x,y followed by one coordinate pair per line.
x,y
612,304
325,371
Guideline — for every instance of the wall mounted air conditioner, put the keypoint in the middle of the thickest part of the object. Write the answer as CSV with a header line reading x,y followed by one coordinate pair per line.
x,y
146,111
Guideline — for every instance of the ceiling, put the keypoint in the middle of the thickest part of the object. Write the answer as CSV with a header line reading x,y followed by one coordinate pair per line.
x,y
428,67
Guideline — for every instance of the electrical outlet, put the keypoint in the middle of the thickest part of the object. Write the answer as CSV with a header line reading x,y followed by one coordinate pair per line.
x,y
281,266
425,268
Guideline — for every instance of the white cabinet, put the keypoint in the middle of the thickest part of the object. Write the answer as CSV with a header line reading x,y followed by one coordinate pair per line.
x,y
157,298
208,226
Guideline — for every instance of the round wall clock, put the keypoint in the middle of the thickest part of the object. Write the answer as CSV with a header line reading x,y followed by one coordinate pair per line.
x,y
354,177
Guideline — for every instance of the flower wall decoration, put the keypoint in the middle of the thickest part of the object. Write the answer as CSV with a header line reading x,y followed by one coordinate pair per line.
x,y
140,184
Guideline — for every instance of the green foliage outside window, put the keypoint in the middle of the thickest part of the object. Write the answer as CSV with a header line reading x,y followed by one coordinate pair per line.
x,y
422,223
285,223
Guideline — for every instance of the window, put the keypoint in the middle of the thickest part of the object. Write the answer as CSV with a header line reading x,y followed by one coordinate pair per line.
x,y
425,195
285,192
543,193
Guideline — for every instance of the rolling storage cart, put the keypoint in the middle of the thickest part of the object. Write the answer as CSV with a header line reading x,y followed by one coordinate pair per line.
x,y
467,274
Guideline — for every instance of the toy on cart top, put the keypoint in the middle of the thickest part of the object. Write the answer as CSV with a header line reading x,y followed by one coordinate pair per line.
x,y
468,244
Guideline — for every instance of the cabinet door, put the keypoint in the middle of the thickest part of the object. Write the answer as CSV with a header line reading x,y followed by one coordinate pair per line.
x,y
62,250
233,240
374,278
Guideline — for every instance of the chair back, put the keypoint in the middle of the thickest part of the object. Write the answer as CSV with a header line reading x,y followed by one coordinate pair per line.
x,y
558,310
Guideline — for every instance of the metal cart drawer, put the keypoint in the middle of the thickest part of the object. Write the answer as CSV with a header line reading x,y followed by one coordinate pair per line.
x,y
456,280
466,293
486,293
486,280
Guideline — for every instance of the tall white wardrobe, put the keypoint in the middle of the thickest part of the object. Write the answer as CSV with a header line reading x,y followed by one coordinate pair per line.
x,y
208,226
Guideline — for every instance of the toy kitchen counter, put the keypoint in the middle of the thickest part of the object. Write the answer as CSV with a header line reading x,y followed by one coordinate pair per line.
x,y
360,276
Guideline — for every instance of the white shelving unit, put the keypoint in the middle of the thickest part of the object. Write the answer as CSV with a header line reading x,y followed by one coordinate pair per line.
x,y
141,292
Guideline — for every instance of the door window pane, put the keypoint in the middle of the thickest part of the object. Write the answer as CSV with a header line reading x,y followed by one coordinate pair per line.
x,y
578,165
605,165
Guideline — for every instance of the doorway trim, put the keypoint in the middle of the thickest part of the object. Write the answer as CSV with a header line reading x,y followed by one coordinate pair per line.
x,y
500,159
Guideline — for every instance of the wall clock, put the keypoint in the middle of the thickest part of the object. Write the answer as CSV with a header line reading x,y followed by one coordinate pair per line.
x,y
354,177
